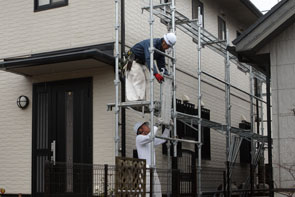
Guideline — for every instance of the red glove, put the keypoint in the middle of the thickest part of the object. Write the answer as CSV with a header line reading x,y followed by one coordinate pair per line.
x,y
159,77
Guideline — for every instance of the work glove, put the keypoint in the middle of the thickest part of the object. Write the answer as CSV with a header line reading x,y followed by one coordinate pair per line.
x,y
159,77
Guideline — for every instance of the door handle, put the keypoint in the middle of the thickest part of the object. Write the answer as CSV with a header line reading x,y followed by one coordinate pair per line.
x,y
53,150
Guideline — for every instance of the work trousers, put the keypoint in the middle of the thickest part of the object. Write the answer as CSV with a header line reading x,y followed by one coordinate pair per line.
x,y
156,182
137,83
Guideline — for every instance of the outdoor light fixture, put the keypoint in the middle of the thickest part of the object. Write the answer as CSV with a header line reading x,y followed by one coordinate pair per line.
x,y
22,101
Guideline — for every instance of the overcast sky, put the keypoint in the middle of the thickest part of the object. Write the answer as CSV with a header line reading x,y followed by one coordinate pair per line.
x,y
264,5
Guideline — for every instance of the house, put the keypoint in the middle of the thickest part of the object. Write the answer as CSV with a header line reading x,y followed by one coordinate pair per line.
x,y
269,45
59,54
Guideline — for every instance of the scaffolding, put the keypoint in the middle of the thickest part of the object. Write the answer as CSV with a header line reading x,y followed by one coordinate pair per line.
x,y
234,136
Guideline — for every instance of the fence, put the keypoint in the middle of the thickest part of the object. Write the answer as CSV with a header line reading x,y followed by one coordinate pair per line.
x,y
78,180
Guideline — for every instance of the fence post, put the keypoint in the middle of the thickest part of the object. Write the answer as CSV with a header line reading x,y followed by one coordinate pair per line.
x,y
151,181
175,182
106,180
224,183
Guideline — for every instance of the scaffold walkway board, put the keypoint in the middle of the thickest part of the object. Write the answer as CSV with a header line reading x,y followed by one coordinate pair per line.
x,y
194,120
133,104
190,27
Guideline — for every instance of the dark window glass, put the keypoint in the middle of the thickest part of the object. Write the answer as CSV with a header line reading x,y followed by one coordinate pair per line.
x,y
221,29
195,5
49,4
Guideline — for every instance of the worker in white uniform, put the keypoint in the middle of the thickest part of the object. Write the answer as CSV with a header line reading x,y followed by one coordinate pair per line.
x,y
143,146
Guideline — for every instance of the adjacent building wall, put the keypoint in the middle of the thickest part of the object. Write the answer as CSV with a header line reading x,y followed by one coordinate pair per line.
x,y
281,51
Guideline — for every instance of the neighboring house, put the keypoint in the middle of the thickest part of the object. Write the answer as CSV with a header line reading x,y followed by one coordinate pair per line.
x,y
269,44
60,55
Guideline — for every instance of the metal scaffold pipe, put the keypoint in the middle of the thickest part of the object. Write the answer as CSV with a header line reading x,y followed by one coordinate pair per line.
x,y
252,130
199,103
228,114
151,50
117,79
174,80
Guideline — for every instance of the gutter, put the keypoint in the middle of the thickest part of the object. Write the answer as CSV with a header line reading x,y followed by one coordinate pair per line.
x,y
101,52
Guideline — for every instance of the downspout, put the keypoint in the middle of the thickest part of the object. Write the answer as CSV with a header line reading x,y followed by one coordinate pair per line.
x,y
123,110
269,139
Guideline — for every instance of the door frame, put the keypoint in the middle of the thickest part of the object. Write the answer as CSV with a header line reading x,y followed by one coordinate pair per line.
x,y
48,86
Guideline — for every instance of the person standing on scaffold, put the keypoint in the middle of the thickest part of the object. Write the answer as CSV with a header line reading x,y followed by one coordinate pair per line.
x,y
137,74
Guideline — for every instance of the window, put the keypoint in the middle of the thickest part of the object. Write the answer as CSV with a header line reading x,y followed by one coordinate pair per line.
x,y
221,29
186,132
245,149
49,4
195,5
166,8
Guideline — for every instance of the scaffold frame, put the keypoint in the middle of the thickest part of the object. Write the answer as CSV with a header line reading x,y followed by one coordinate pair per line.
x,y
168,13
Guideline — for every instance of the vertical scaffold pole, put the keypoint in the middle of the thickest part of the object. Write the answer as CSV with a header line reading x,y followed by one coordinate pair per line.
x,y
228,115
252,130
151,50
174,80
199,103
117,79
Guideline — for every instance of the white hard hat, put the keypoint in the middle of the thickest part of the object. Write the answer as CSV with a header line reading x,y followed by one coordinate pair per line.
x,y
170,39
138,125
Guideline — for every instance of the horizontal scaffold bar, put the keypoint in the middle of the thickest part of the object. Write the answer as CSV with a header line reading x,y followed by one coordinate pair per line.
x,y
162,53
156,6
178,140
194,120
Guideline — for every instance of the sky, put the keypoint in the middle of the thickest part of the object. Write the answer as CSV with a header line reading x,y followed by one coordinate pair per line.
x,y
264,5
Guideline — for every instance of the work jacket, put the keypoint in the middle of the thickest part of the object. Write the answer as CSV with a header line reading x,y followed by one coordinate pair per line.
x,y
142,54
143,145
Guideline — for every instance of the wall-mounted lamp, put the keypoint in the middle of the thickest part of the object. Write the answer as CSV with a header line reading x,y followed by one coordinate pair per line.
x,y
22,102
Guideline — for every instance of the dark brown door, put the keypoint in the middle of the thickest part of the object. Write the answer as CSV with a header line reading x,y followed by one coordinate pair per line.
x,y
62,138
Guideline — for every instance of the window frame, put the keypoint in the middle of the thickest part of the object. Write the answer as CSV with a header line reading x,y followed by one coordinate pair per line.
x,y
51,5
221,22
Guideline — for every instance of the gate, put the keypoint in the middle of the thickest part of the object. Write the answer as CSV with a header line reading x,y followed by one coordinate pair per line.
x,y
186,165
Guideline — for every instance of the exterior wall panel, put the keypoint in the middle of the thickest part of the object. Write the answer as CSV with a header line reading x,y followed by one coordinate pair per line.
x,y
26,32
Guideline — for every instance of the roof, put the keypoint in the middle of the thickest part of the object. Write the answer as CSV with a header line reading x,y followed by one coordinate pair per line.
x,y
262,32
267,26
52,60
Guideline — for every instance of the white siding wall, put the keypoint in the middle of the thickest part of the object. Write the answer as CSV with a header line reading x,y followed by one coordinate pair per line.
x,y
90,22
16,124
16,134
25,32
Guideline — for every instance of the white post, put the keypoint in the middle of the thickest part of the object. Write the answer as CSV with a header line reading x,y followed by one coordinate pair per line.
x,y
151,50
174,80
117,80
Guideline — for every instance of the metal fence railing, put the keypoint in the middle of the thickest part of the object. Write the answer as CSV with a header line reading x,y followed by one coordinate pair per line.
x,y
62,179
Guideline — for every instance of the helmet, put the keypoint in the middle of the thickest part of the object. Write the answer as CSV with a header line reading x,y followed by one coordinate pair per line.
x,y
138,125
170,39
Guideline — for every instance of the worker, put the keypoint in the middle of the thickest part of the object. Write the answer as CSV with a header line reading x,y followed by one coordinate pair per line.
x,y
137,74
143,146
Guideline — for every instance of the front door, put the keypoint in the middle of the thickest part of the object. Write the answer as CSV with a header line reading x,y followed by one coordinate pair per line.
x,y
62,138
